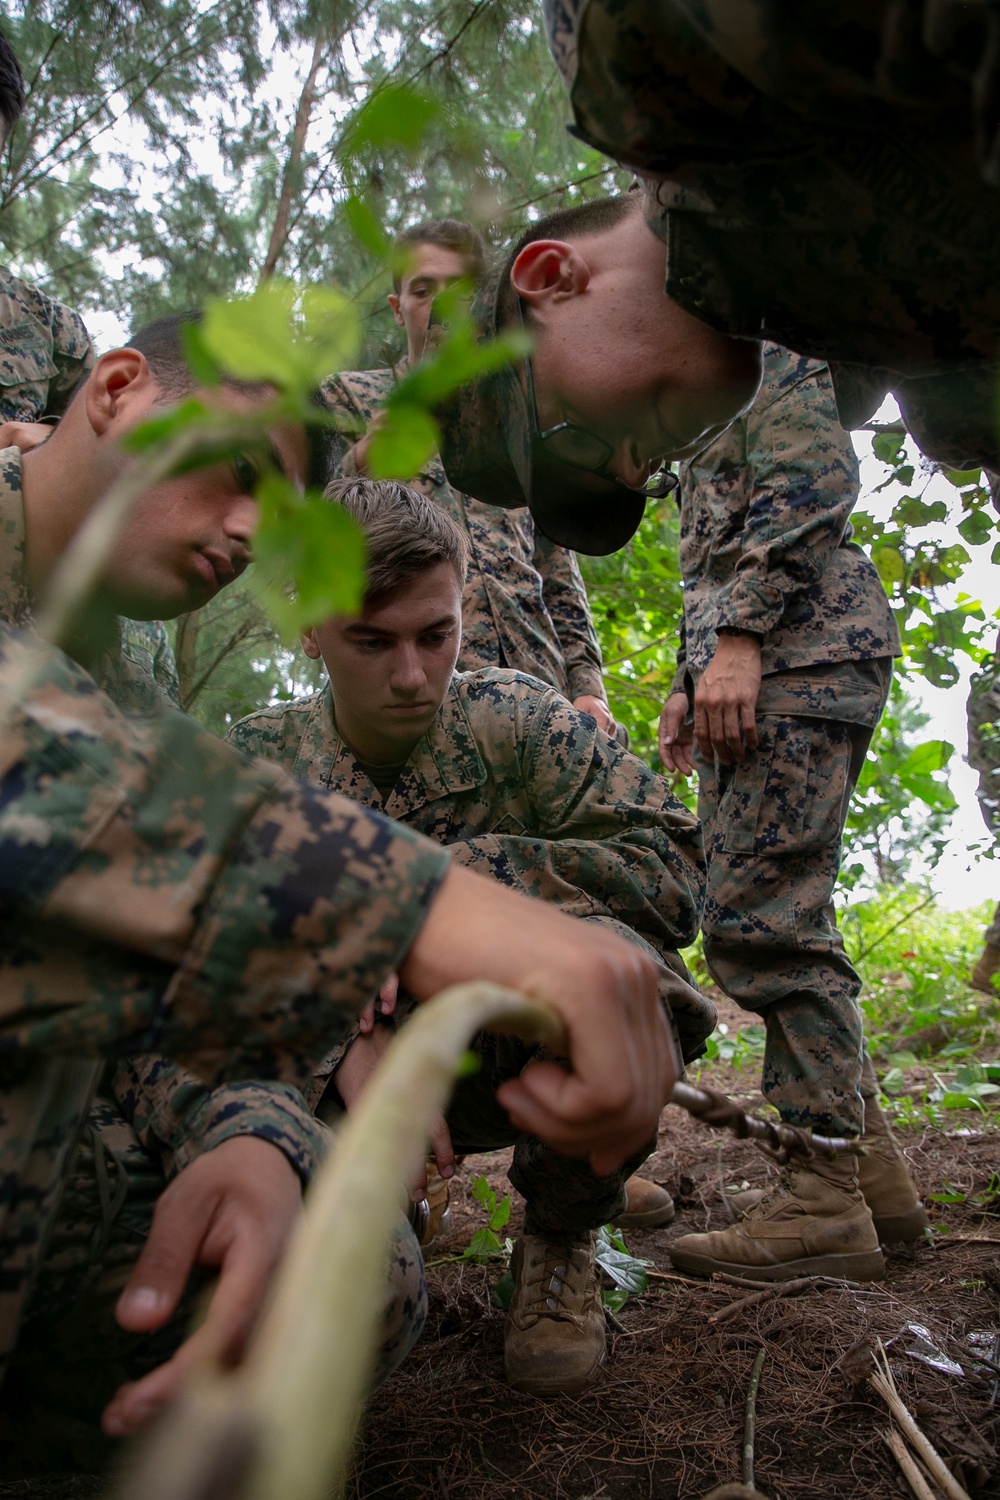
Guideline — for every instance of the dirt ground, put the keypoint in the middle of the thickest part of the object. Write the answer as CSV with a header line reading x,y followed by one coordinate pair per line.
x,y
665,1420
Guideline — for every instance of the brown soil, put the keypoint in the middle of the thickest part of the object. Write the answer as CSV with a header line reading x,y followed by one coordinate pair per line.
x,y
666,1418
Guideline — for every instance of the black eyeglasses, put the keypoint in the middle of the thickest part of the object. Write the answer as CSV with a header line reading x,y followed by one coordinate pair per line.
x,y
576,447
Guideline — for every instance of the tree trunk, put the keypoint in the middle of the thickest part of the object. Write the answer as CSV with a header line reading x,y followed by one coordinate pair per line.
x,y
279,231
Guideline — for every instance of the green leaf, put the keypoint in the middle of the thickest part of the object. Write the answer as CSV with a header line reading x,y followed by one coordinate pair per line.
x,y
887,445
614,1298
289,339
932,755
625,1270
498,1219
976,529
893,1082
911,511
395,116
947,1197
367,229
400,448
310,557
890,565
503,1292
483,1246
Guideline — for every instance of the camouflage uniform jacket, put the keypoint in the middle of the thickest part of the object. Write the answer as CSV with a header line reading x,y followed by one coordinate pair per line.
x,y
765,534
44,350
526,789
525,604
816,193
159,894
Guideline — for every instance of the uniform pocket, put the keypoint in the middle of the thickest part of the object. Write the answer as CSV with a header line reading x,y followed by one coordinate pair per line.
x,y
790,797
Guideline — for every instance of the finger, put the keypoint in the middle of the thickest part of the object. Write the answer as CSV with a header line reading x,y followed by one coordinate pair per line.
x,y
366,1020
732,732
717,735
160,1274
703,733
749,725
389,994
444,1151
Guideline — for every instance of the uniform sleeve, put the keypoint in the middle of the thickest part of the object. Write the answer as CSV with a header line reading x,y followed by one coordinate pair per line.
x,y
609,837
72,355
805,485
566,599
174,1112
682,679
160,893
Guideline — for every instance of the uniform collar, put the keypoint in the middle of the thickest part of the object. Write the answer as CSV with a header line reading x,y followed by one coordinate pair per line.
x,y
446,759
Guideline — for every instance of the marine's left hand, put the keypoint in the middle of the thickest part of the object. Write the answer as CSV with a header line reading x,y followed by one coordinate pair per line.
x,y
725,700
598,709
232,1209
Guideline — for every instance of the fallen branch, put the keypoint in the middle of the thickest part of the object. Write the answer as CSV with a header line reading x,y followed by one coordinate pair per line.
x,y
912,1472
775,1289
750,1419
885,1385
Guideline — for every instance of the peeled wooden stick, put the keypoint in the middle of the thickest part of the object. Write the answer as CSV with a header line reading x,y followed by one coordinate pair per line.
x,y
912,1472
937,1468
282,1424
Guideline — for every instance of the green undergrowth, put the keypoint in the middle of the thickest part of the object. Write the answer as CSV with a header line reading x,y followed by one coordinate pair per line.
x,y
935,1041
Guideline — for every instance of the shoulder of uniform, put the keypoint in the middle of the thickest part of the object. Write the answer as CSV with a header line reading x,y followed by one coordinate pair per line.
x,y
353,388
273,720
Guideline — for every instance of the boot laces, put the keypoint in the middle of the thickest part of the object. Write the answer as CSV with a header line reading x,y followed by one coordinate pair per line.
x,y
554,1280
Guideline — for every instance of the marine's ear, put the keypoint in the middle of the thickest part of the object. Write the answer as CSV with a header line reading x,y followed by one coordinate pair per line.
x,y
310,645
549,269
119,389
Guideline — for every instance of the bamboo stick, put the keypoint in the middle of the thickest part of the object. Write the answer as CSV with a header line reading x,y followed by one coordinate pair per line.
x,y
912,1472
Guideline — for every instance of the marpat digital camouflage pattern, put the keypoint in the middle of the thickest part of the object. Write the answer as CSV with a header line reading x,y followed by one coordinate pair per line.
x,y
527,790
984,756
158,894
525,605
45,349
765,547
815,190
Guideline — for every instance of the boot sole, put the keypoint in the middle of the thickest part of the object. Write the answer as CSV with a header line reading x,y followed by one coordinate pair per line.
x,y
556,1385
901,1229
654,1219
868,1265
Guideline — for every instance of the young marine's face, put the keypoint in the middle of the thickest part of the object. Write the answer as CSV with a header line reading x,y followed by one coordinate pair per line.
x,y
431,269
390,669
616,356
189,537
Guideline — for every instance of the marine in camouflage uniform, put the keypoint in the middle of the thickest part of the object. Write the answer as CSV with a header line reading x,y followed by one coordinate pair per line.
x,y
765,549
813,191
150,1119
984,757
766,552
525,604
45,350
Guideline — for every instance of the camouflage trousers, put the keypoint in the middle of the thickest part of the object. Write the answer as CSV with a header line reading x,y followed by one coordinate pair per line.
x,y
773,830
72,1355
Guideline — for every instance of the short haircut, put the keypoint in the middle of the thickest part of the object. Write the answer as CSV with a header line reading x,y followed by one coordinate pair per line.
x,y
453,234
593,217
162,344
405,531
11,88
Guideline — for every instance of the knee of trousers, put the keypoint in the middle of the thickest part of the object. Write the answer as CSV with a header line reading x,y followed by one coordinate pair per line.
x,y
405,1304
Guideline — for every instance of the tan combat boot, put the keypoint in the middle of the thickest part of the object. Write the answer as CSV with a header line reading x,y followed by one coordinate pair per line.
x,y
647,1205
883,1175
556,1334
814,1223
985,970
